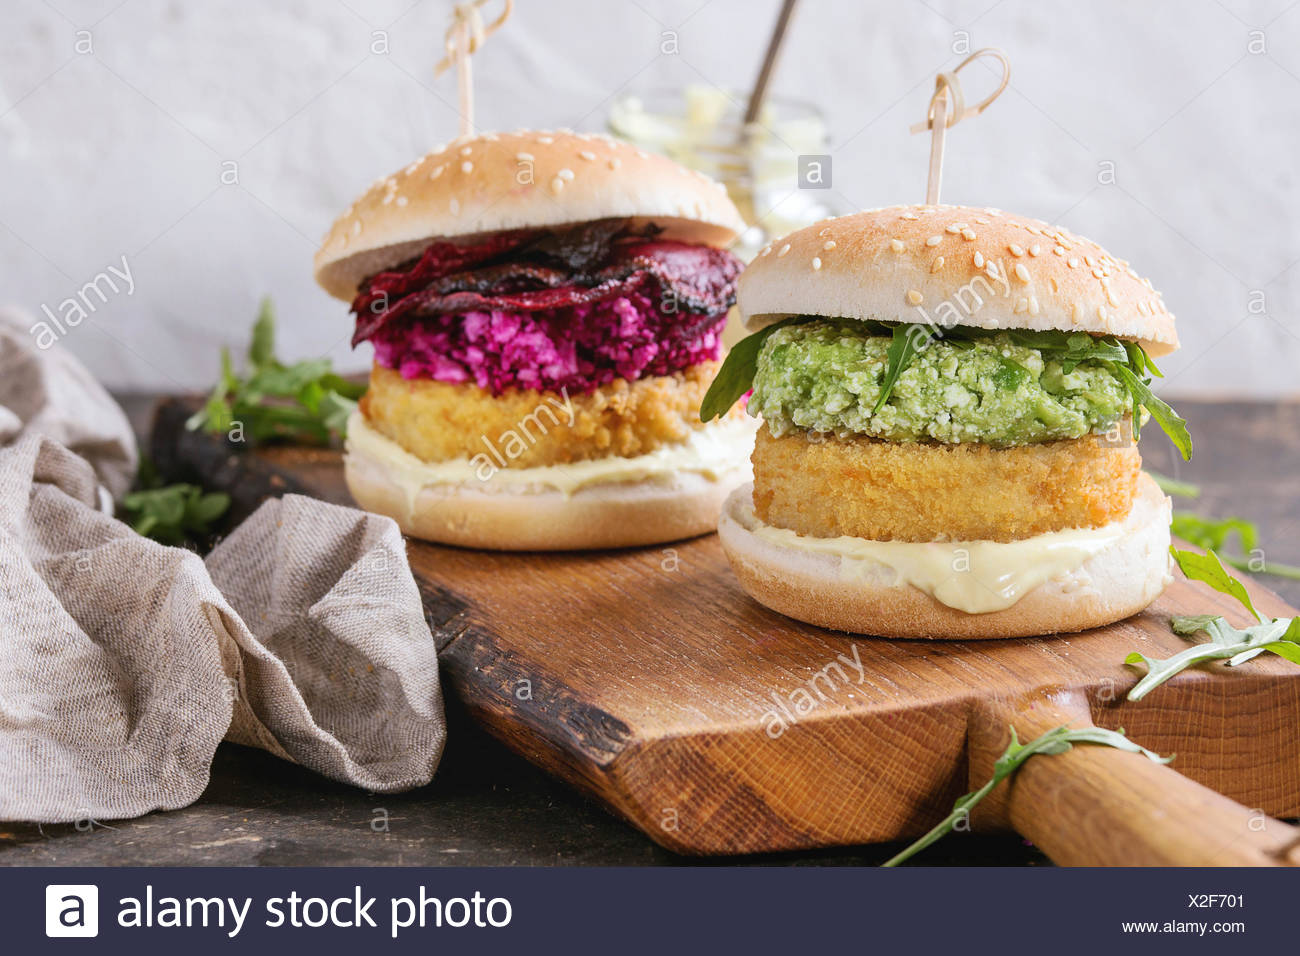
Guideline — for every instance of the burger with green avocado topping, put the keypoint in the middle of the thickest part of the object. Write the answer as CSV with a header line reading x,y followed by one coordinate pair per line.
x,y
950,400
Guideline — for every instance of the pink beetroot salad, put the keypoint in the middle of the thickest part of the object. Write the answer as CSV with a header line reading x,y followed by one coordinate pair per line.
x,y
568,311
575,349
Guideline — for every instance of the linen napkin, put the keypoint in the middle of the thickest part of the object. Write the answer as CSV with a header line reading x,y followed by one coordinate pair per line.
x,y
123,663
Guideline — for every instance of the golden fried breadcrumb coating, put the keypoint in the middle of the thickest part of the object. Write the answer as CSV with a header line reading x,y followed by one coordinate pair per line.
x,y
440,421
912,491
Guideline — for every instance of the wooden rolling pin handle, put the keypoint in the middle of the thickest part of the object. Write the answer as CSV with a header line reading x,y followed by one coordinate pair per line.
x,y
1098,806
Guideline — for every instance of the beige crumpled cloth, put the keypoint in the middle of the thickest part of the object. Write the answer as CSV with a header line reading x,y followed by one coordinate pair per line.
x,y
123,663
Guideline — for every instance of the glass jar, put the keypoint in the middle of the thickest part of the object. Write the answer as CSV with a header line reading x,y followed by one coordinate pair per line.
x,y
701,127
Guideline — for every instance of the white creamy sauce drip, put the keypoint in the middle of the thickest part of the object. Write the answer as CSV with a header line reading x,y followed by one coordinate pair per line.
x,y
716,451
972,576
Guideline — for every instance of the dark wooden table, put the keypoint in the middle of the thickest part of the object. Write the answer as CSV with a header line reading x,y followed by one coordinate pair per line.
x,y
488,807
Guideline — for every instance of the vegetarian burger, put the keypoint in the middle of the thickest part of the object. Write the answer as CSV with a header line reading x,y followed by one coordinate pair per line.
x,y
546,312
950,400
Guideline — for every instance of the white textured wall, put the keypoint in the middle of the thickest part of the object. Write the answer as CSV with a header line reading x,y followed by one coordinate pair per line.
x,y
118,152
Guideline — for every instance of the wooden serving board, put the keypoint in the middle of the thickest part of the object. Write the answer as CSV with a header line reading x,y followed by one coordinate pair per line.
x,y
651,681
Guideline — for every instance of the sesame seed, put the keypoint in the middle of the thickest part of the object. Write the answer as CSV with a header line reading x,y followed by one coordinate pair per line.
x,y
784,250
1016,250
402,200
545,140
615,163
438,171
896,245
816,263
766,250
822,233
412,168
1110,297
828,245
566,174
1101,312
1076,311
1022,305
934,240
1033,305
914,297
524,157
968,234
954,228
455,206
466,166
557,184
1059,250
466,150
1021,272
1073,262
356,227
1092,263
1098,274
587,154
911,216
388,197
979,260
642,154
937,264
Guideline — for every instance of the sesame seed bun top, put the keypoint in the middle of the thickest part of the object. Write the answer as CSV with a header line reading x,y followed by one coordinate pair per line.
x,y
525,179
954,265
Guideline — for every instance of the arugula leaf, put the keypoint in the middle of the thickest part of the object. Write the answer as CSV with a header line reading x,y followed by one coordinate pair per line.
x,y
335,410
1215,533
736,377
1056,741
1069,348
1208,569
903,347
1226,643
261,348
303,402
1279,636
1174,426
174,514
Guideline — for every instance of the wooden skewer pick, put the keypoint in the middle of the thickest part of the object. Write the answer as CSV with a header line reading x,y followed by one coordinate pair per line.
x,y
948,108
465,35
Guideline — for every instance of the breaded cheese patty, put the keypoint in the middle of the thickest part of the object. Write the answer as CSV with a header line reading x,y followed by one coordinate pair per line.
x,y
825,486
441,421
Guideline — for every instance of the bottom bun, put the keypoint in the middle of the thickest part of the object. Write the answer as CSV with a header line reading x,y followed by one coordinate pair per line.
x,y
863,596
522,517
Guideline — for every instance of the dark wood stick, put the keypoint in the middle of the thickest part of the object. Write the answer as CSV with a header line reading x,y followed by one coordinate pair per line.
x,y
759,93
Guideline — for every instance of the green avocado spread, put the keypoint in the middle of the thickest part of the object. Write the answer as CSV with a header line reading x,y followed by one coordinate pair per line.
x,y
825,376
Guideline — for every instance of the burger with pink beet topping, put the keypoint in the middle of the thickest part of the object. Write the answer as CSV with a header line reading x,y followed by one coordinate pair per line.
x,y
546,311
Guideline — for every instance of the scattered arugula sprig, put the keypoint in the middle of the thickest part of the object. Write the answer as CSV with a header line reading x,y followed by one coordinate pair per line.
x,y
1281,636
1056,741
171,514
1217,533
1126,360
305,402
